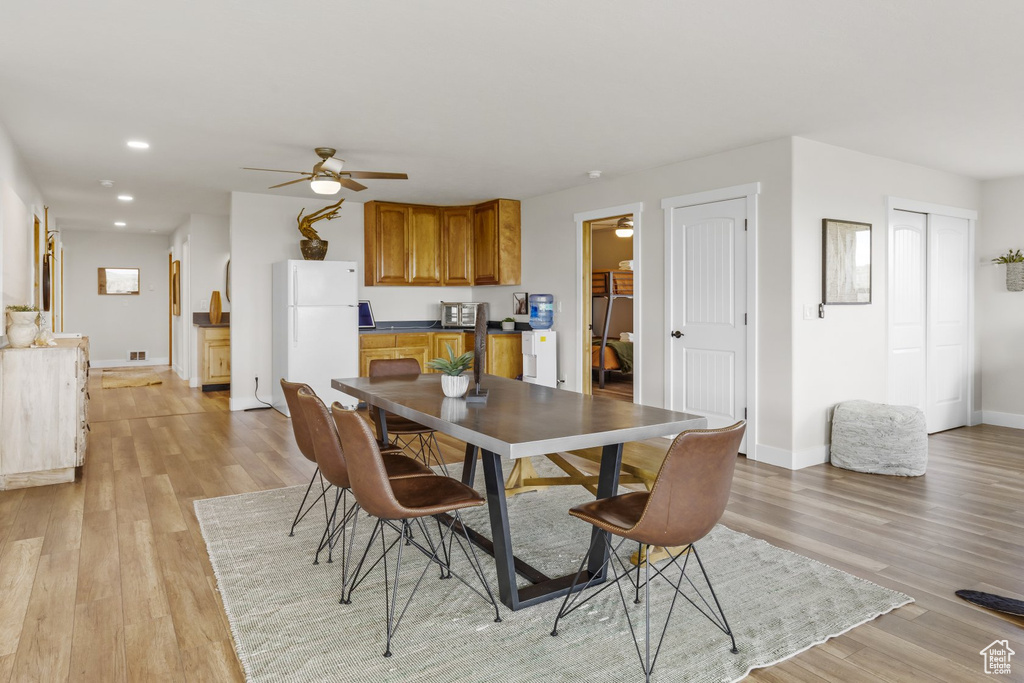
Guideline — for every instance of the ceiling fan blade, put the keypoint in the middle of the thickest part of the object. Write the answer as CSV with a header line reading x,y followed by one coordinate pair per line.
x,y
374,175
273,170
290,182
351,184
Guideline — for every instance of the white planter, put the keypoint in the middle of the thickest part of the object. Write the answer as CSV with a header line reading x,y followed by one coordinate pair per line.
x,y
454,386
508,326
21,330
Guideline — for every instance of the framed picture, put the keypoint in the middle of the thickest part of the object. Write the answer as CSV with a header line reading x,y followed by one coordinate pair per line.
x,y
176,288
846,262
520,303
118,281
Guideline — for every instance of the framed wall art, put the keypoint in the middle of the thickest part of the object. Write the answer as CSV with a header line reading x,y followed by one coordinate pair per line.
x,y
846,262
176,288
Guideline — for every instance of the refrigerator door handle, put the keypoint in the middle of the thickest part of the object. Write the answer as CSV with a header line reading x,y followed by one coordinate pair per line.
x,y
295,324
295,286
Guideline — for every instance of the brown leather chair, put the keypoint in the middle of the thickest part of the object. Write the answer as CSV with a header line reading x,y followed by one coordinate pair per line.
x,y
330,458
301,432
418,440
398,502
687,500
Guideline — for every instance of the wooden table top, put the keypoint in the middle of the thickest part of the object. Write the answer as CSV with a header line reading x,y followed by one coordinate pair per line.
x,y
519,419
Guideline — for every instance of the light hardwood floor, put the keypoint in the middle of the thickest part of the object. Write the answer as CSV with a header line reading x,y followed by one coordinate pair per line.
x,y
107,579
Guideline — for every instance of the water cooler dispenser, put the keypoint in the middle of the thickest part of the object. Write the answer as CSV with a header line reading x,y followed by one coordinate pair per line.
x,y
540,357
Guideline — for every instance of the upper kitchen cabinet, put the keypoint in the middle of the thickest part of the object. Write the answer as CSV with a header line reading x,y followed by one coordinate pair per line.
x,y
496,245
386,241
415,244
457,246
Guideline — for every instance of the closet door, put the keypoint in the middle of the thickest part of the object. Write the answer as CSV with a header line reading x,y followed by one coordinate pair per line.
x,y
907,309
948,322
929,316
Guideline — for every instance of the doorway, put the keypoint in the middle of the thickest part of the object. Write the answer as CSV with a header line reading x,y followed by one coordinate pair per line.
x,y
610,361
931,320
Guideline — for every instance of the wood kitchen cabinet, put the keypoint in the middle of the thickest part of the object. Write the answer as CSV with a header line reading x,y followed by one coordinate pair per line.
x,y
504,354
44,413
457,246
412,345
496,243
422,245
215,358
504,351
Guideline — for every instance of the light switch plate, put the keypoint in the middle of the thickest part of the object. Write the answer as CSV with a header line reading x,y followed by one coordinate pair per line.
x,y
809,312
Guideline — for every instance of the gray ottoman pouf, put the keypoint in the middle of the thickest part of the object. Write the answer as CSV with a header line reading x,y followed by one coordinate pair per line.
x,y
879,438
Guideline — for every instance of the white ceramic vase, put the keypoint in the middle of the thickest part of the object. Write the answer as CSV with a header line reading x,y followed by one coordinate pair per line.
x,y
454,386
21,330
508,325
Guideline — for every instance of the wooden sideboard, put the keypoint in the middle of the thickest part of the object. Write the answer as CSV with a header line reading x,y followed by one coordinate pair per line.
x,y
215,358
423,245
44,413
504,351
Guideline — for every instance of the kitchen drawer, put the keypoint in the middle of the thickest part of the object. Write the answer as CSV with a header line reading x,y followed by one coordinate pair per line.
x,y
377,341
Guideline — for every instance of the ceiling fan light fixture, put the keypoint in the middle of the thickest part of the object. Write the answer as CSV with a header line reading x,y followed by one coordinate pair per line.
x,y
325,185
624,227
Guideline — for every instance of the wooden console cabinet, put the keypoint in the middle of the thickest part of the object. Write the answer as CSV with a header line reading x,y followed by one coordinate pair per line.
x,y
421,245
215,358
44,413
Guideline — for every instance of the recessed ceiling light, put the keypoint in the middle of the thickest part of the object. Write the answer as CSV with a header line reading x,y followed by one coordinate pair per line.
x,y
107,183
593,175
120,224
152,230
125,197
138,144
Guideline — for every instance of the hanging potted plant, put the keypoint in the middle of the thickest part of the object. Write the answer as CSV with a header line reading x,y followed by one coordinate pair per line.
x,y
1014,262
453,382
21,326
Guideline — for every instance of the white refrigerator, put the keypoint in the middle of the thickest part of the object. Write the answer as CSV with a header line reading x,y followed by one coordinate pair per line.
x,y
315,327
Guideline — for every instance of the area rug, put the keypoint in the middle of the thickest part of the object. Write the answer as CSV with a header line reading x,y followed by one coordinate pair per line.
x,y
288,625
120,379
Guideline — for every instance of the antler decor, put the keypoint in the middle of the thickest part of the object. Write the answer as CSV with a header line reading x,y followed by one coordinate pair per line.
x,y
326,213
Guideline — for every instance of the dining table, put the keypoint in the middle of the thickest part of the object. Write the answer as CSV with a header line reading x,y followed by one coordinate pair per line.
x,y
516,420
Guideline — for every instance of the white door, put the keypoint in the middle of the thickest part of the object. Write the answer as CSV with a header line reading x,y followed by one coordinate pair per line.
x,y
707,311
948,322
908,309
929,287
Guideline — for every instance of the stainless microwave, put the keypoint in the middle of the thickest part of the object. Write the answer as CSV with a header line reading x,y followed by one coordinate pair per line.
x,y
458,314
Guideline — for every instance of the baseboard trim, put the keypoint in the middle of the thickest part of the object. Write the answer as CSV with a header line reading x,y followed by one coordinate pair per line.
x,y
976,418
991,417
792,460
127,363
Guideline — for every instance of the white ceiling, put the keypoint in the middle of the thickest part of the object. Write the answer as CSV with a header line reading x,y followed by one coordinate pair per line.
x,y
477,98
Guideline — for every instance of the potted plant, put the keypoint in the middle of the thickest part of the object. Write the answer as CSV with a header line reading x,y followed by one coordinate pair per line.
x,y
508,324
453,382
21,328
1014,262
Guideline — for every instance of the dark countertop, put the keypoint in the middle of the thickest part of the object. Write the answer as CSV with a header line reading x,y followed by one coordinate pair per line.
x,y
424,326
203,320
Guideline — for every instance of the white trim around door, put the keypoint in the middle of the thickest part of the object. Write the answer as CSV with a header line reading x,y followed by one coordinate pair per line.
x,y
581,218
750,192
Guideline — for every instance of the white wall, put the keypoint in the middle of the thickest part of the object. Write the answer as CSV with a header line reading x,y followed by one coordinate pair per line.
x,y
550,244
20,202
117,324
999,321
263,230
843,356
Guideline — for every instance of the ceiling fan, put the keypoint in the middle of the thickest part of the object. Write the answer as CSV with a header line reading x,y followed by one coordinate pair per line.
x,y
327,176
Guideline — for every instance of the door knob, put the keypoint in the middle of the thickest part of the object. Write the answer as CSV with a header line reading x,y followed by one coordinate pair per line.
x,y
677,334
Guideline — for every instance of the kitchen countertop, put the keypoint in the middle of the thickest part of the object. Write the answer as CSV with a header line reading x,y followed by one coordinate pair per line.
x,y
425,326
203,320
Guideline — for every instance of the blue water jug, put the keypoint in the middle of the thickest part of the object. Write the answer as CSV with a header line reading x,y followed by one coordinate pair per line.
x,y
542,311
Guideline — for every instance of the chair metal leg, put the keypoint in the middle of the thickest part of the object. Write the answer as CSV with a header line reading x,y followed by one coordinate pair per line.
x,y
298,513
725,622
325,537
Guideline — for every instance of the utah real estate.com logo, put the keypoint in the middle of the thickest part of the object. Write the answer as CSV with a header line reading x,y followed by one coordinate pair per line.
x,y
997,657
